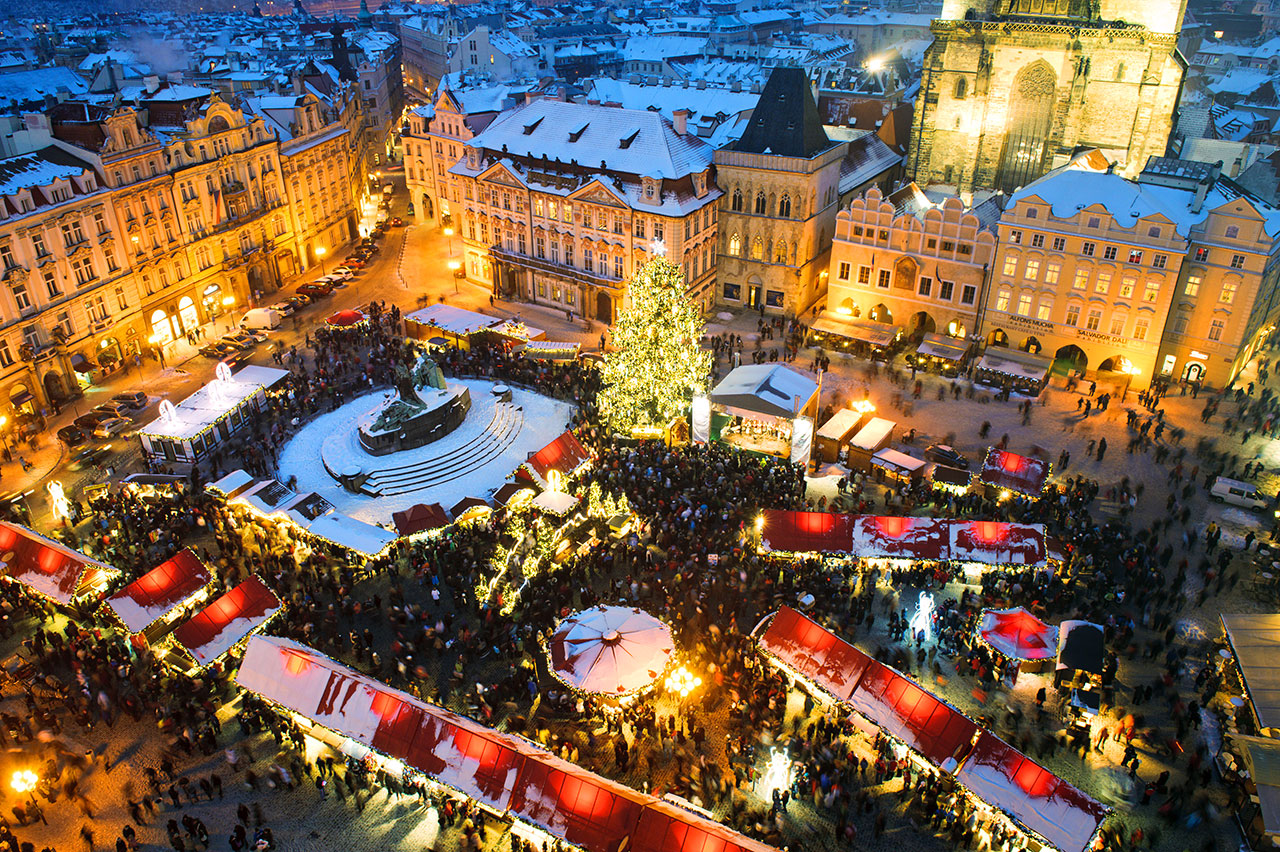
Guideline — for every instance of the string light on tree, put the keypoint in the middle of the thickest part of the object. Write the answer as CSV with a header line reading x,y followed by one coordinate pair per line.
x,y
657,364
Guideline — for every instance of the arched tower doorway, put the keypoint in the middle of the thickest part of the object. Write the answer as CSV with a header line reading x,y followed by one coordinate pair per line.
x,y
1030,120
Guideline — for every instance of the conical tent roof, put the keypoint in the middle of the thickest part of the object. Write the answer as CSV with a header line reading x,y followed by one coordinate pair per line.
x,y
610,650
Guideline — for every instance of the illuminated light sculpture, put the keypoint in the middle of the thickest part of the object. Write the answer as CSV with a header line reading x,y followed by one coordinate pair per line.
x,y
776,776
681,682
657,364
922,621
59,503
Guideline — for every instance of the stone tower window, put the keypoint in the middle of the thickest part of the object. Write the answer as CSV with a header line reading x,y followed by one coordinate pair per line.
x,y
962,88
761,204
737,201
784,207
735,245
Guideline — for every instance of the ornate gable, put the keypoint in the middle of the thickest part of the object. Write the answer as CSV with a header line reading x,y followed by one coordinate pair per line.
x,y
597,193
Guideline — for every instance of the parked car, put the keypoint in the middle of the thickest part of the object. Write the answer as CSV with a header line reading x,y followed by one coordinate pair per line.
x,y
355,261
115,409
284,309
137,400
89,457
298,301
1237,493
245,338
218,349
111,427
261,318
237,360
72,436
88,422
335,281
942,454
397,222
348,272
315,289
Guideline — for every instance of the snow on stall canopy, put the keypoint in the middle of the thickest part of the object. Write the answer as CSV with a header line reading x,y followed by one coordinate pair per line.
x,y
233,484
787,531
1039,800
211,403
45,566
815,652
890,537
921,720
565,455
1017,634
505,772
166,586
772,390
223,624
997,543
364,538
1020,474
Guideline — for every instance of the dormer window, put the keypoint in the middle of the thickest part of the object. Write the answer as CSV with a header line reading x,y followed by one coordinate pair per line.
x,y
651,189
700,184
61,193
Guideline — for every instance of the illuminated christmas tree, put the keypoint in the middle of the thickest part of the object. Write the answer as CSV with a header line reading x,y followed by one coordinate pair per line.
x,y
657,364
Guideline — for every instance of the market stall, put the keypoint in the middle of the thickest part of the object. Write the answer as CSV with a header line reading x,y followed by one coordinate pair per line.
x,y
1013,370
222,626
551,350
1254,642
420,519
1018,635
895,537
997,543
895,465
557,463
786,531
460,327
1252,766
832,437
150,604
614,651
348,318
1025,475
1039,801
508,775
856,336
756,406
874,436
809,651
939,352
194,428
66,577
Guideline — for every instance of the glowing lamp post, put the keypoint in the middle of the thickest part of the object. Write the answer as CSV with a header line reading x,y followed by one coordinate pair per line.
x,y
228,302
320,253
24,782
448,232
680,682
456,268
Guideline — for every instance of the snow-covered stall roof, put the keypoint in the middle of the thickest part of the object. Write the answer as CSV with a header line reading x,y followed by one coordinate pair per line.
x,y
774,390
48,567
941,346
225,623
787,531
897,460
345,531
838,427
456,321
212,403
873,434
162,589
1020,474
868,331
1039,800
556,502
892,537
1015,363
912,714
997,543
565,455
811,650
1255,640
505,772
1018,634
232,484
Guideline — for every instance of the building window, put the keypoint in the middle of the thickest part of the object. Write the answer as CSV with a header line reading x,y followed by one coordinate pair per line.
x,y
1051,272
737,208
659,229
6,356
1037,240
1127,284
1002,299
735,245
1117,325
1073,315
1135,256
883,280
588,256
1059,244
1043,310
757,249
71,234
1216,328
1237,261
842,271
1087,249
962,87
968,293
83,269
1024,304
773,298
1015,237
784,207
864,275
1228,294
1032,270
761,204
1095,222
1010,266
1102,283
780,252
732,292
1193,286
37,243
1081,281
1232,232
944,290
1140,329
1202,254
121,302
1093,320
617,267
1110,253
21,297
925,286
1158,261
1151,292
51,284
638,230
64,323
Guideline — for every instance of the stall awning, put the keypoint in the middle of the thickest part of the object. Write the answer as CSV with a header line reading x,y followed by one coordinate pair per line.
x,y
504,772
1262,756
901,707
21,398
47,567
867,331
1015,364
1020,474
215,630
1017,634
891,537
509,490
787,531
80,363
162,589
770,390
565,455
345,531
941,346
551,350
233,484
896,461
420,517
1255,640
815,652
1041,801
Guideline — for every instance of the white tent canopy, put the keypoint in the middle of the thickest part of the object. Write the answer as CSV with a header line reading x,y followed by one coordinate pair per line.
x,y
1255,639
773,390
610,650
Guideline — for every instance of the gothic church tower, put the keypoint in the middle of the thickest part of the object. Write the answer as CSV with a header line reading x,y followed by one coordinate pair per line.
x,y
1011,88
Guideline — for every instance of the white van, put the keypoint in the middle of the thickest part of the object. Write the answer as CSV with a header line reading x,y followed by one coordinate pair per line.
x,y
261,318
1237,494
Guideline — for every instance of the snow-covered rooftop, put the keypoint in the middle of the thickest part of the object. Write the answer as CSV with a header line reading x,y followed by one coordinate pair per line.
x,y
212,402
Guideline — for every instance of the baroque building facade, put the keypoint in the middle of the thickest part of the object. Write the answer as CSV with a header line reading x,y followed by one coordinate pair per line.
x,y
1011,89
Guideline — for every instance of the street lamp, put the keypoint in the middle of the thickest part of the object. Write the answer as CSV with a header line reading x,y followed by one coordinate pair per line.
x,y
320,253
448,232
456,268
228,302
24,781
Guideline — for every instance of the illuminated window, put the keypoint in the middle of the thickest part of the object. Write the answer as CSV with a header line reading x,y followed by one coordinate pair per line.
x,y
1140,329
1024,304
1228,294
1073,315
757,249
1117,325
1151,292
843,271
1051,271
735,245
1010,265
1216,328
1002,299
1032,271
1102,283
1044,309
1193,286
1081,281
1127,285
882,281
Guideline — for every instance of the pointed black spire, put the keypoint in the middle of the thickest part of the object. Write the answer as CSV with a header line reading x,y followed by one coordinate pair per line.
x,y
785,121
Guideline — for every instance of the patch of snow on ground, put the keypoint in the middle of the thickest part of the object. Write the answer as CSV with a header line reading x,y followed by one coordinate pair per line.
x,y
544,420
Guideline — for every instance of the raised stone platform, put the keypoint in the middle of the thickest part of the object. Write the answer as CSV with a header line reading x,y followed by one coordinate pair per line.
x,y
399,424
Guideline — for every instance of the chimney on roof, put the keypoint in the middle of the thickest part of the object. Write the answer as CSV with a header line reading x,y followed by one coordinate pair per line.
x,y
151,83
681,120
1202,190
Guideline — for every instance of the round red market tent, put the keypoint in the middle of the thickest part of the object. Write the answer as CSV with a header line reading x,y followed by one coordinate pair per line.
x,y
1018,634
345,319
